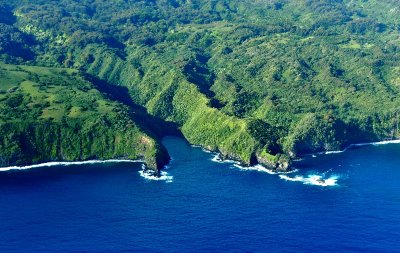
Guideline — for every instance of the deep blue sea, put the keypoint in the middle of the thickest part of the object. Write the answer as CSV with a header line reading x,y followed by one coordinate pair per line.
x,y
206,206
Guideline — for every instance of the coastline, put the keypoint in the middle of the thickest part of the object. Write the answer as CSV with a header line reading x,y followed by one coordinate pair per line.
x,y
218,157
362,144
60,163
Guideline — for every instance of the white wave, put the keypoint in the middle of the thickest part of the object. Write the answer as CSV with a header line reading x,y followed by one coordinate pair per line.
x,y
313,180
363,144
202,148
217,158
51,164
206,150
294,179
288,172
261,168
150,175
257,167
380,143
335,152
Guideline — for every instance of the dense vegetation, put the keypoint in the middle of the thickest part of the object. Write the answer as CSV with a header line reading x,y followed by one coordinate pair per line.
x,y
261,80
55,114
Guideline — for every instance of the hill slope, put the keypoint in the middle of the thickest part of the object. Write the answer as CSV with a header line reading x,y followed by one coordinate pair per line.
x,y
259,81
49,114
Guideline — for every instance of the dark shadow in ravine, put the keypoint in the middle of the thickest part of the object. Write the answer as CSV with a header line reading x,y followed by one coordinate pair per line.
x,y
155,125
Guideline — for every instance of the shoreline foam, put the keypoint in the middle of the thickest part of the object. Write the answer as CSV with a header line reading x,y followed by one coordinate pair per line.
x,y
217,158
52,164
151,176
145,173
376,143
261,168
313,180
258,167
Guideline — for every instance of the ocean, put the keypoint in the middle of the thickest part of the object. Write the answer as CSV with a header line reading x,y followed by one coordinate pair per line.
x,y
203,204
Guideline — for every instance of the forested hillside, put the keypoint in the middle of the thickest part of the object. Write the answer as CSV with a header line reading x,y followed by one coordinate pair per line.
x,y
259,81
49,114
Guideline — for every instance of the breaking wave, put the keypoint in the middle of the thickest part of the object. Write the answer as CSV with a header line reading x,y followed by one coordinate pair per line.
x,y
261,168
217,158
313,180
52,164
203,149
378,143
362,145
258,167
335,152
152,176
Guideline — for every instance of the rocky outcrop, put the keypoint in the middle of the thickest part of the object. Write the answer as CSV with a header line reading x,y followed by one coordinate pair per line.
x,y
278,162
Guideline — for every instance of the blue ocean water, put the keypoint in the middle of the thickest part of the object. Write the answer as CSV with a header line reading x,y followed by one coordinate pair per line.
x,y
206,206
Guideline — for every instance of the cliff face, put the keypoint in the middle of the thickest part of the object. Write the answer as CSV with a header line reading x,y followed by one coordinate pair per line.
x,y
35,142
48,117
316,133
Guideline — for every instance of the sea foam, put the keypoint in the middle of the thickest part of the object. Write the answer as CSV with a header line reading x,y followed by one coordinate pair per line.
x,y
362,145
261,168
312,180
150,175
201,147
383,142
51,164
335,152
258,167
206,150
217,158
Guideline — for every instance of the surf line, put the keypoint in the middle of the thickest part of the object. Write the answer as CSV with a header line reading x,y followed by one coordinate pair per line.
x,y
313,180
258,167
52,164
377,143
152,176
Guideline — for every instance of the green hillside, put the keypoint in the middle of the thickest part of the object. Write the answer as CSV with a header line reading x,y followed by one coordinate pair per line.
x,y
49,114
259,81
